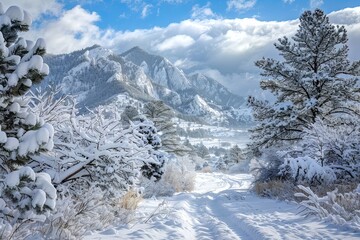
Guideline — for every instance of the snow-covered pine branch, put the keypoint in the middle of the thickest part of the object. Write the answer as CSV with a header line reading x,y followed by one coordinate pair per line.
x,y
314,80
24,194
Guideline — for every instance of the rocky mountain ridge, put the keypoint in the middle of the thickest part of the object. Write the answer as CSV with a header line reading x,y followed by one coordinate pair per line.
x,y
96,75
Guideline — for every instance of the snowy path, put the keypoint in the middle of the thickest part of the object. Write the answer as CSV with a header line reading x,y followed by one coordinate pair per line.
x,y
221,207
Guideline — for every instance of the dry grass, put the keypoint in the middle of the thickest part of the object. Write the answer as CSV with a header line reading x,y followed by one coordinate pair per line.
x,y
179,178
322,190
130,200
206,169
286,189
349,201
275,189
341,208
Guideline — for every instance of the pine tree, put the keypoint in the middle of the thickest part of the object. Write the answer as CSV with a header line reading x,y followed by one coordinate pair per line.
x,y
150,137
24,193
314,80
161,115
129,114
236,155
202,151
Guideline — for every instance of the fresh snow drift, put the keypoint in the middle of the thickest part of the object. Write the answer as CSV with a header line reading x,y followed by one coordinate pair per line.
x,y
221,207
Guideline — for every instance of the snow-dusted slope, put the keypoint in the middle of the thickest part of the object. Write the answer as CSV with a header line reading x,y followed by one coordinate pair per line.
x,y
221,207
213,91
194,94
160,69
199,107
97,75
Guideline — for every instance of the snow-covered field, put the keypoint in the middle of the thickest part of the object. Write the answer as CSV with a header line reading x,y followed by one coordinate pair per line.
x,y
221,207
221,136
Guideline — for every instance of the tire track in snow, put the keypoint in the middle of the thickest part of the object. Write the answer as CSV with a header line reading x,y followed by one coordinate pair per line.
x,y
222,208
221,222
210,227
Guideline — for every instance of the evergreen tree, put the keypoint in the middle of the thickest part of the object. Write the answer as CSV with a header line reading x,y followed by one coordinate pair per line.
x,y
24,194
129,114
161,115
314,80
236,155
150,137
202,151
188,144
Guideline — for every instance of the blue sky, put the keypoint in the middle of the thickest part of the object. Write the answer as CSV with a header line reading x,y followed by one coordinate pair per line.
x,y
219,38
135,14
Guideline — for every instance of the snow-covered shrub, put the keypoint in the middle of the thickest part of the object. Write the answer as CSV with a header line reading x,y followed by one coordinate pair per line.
x,y
328,153
306,169
78,214
25,195
51,105
179,176
268,182
155,189
267,168
94,152
336,144
220,164
96,149
340,208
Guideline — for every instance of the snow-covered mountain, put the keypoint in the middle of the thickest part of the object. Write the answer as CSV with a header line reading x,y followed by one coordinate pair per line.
x,y
97,76
160,69
214,92
199,107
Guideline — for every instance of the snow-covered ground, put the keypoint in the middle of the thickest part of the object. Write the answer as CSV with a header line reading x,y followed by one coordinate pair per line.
x,y
221,207
221,136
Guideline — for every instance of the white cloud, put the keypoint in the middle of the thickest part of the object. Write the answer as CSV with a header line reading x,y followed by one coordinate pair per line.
x,y
134,5
229,46
288,1
346,16
140,6
143,7
240,5
74,29
146,10
316,3
224,48
350,18
36,8
175,42
202,12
